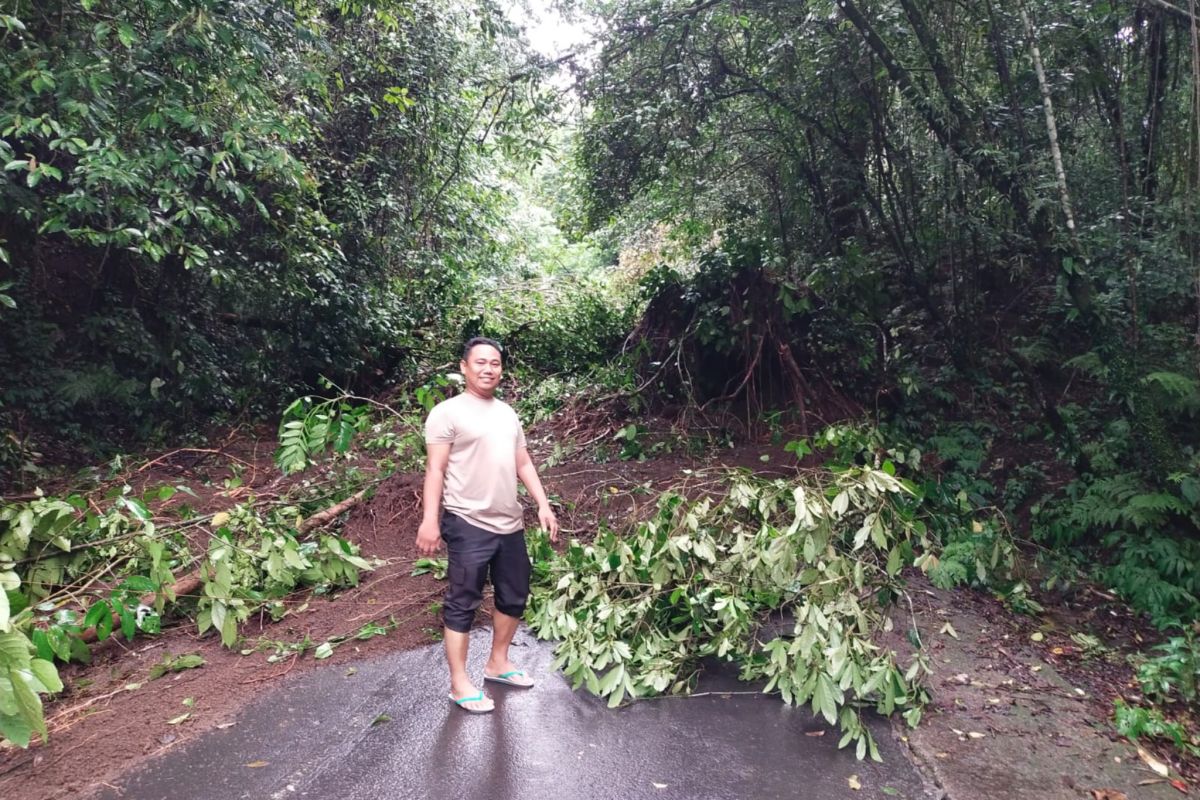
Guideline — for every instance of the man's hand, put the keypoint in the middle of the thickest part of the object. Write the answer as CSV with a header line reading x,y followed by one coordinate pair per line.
x,y
429,537
548,521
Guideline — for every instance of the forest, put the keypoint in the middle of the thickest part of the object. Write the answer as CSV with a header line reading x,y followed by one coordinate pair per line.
x,y
945,257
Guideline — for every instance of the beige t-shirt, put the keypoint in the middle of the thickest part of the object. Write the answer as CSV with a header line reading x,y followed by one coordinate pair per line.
x,y
481,478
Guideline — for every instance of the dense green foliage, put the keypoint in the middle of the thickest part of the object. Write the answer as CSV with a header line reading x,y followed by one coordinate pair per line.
x,y
207,203
871,198
977,223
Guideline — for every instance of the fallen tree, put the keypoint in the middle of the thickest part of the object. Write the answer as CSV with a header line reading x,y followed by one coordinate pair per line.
x,y
793,580
72,575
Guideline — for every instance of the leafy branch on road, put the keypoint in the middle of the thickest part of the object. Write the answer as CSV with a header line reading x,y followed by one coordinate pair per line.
x,y
793,580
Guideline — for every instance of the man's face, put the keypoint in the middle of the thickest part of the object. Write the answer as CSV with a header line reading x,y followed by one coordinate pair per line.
x,y
482,370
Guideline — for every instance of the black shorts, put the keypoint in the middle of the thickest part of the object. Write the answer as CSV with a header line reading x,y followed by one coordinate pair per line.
x,y
473,554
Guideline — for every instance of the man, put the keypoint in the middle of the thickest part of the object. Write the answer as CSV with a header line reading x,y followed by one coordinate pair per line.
x,y
475,451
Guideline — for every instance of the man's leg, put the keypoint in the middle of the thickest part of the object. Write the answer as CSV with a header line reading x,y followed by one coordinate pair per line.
x,y
510,578
457,644
469,551
504,628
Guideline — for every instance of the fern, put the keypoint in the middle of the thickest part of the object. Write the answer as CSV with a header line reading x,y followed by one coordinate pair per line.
x,y
97,385
1146,510
1038,350
1182,392
981,554
1122,503
950,571
1090,364
1174,383
1159,575
1104,504
1147,539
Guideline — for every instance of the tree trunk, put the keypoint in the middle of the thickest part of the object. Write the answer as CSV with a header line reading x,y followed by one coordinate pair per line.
x,y
1158,56
1060,173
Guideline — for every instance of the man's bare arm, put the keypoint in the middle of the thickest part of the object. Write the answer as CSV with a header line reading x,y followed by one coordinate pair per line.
x,y
527,472
429,534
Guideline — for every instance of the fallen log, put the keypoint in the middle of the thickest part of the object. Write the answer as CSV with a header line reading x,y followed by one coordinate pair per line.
x,y
323,517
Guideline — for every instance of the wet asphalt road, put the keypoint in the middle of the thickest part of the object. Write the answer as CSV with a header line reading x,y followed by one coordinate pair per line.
x,y
322,736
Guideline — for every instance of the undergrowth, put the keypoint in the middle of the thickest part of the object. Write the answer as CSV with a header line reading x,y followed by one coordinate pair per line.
x,y
1169,678
1127,518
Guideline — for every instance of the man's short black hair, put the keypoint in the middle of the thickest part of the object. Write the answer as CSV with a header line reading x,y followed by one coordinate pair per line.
x,y
475,341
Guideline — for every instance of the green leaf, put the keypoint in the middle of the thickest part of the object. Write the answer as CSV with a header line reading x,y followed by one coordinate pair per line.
x,y
136,508
126,34
15,728
218,612
41,644
176,664
345,435
79,649
96,613
190,661
29,705
60,642
104,625
137,583
826,698
128,624
229,631
357,562
8,701
895,561
46,673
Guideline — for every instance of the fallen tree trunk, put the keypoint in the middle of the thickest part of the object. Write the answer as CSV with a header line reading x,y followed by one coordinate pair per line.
x,y
324,517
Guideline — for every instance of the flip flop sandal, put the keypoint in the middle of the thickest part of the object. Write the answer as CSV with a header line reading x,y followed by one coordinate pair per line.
x,y
516,678
472,699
